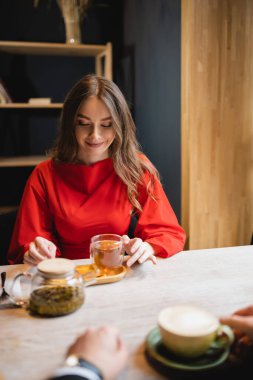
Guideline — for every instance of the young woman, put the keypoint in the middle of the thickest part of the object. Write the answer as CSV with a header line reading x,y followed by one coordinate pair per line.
x,y
95,181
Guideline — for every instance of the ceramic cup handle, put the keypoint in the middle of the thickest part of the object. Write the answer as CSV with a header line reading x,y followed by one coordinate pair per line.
x,y
226,331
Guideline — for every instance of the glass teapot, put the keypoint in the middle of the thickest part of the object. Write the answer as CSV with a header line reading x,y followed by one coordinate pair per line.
x,y
53,288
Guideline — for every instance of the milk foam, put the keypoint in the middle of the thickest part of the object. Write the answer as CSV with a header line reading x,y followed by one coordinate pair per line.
x,y
188,321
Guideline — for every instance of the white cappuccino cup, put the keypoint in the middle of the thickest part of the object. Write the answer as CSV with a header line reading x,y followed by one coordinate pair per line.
x,y
187,331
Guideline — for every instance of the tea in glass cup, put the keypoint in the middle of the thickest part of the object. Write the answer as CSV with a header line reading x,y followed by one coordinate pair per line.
x,y
107,253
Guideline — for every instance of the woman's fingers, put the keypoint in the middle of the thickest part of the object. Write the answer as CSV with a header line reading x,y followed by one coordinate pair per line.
x,y
147,256
40,249
143,253
137,246
136,256
28,259
131,245
125,239
45,247
34,253
139,250
153,259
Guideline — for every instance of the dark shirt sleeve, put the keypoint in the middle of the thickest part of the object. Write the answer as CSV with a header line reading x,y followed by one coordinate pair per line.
x,y
75,373
70,377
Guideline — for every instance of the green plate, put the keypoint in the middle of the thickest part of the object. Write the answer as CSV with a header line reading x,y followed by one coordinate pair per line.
x,y
216,354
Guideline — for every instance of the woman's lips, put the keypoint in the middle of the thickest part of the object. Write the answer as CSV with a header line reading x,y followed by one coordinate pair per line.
x,y
94,145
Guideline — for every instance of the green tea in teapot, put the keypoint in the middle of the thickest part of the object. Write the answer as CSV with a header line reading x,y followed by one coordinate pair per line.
x,y
55,300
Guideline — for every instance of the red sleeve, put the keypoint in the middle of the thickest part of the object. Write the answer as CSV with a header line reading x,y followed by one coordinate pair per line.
x,y
33,219
158,224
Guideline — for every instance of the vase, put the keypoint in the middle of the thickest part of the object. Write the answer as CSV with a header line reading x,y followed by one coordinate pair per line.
x,y
72,12
72,30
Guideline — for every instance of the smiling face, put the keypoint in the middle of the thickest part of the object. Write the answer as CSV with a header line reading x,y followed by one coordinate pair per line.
x,y
93,130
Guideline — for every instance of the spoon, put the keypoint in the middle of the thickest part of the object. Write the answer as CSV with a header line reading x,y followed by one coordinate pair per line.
x,y
4,294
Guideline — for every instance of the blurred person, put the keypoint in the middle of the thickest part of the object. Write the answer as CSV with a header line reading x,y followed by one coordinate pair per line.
x,y
98,354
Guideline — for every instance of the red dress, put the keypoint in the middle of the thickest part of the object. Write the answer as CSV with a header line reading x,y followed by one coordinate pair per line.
x,y
69,203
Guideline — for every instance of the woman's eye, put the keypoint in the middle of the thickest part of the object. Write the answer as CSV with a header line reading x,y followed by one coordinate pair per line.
x,y
106,126
83,124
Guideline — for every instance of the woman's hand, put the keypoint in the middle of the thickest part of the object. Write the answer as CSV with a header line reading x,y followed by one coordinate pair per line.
x,y
40,249
139,250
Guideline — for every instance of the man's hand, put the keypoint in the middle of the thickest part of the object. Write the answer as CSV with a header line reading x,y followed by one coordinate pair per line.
x,y
103,348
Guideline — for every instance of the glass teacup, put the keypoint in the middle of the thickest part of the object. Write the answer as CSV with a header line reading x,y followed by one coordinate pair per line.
x,y
107,253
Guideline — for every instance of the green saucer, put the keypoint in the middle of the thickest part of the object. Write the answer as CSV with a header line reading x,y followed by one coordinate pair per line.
x,y
216,354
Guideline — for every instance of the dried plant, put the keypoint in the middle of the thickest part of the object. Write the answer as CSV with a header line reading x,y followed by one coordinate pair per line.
x,y
68,8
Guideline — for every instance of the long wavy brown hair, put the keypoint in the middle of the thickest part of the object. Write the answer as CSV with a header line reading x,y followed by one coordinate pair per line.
x,y
125,151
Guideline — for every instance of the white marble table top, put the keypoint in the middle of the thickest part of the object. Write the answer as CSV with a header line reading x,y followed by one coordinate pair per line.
x,y
219,280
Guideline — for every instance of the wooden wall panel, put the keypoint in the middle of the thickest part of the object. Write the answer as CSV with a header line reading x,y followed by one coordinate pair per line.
x,y
217,122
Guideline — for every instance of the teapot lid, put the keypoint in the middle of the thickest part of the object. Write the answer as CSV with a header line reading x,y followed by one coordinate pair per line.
x,y
56,266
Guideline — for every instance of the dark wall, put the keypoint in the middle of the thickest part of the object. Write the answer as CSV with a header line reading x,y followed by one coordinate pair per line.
x,y
146,61
43,75
29,132
151,68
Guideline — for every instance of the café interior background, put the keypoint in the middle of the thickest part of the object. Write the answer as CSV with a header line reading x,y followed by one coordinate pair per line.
x,y
185,68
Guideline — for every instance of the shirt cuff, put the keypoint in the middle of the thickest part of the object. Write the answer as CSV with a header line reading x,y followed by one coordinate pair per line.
x,y
83,372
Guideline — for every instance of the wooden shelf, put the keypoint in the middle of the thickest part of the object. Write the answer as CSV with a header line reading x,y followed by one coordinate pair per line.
x,y
28,105
101,53
44,48
103,67
21,161
7,209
